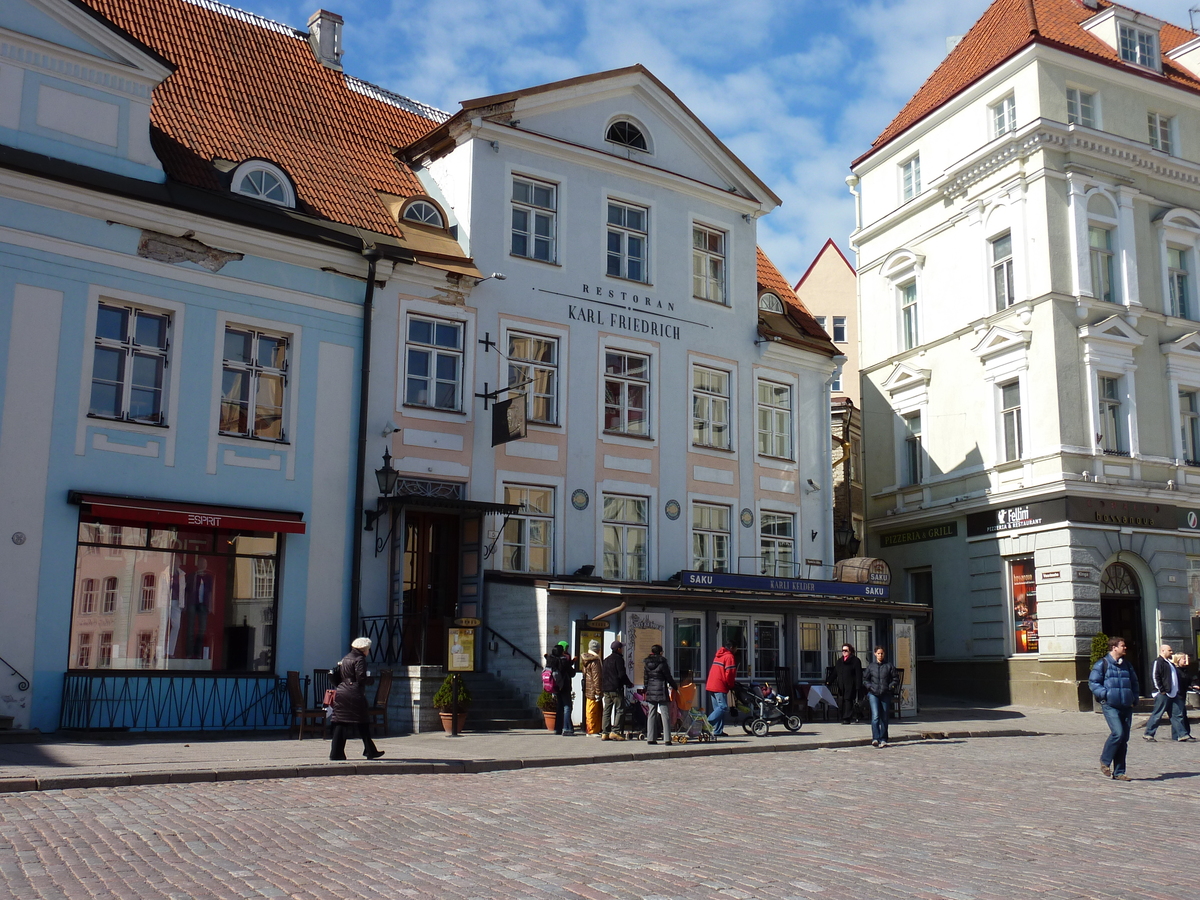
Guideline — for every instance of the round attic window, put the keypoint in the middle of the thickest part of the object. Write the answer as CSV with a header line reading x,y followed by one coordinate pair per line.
x,y
263,181
626,133
771,303
424,212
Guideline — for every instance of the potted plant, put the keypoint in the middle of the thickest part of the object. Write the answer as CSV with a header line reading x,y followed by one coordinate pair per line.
x,y
1099,649
548,704
443,702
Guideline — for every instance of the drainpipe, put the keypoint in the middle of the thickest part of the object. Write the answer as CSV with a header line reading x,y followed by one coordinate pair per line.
x,y
371,253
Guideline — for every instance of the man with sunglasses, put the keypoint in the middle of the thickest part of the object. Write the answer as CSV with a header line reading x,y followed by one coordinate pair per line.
x,y
847,679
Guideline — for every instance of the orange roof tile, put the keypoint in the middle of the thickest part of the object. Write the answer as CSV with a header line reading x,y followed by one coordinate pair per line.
x,y
245,87
1008,26
770,279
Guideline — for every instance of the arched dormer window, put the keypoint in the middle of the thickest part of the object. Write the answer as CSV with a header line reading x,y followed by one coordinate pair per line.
x,y
262,180
770,303
425,213
627,134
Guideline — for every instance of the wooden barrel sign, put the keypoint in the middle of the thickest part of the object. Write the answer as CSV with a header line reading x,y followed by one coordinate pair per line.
x,y
862,570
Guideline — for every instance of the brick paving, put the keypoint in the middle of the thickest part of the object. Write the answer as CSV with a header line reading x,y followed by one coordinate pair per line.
x,y
960,819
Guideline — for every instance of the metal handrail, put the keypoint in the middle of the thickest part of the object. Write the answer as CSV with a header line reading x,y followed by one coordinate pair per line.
x,y
23,684
515,649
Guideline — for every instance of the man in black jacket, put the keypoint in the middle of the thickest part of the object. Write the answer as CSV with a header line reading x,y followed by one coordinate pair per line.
x,y
1167,687
613,681
881,679
847,679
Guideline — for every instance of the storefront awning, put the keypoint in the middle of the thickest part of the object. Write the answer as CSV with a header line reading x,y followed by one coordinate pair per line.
x,y
197,515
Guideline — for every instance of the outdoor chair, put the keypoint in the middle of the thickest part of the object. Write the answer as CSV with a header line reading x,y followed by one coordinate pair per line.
x,y
303,718
320,685
379,709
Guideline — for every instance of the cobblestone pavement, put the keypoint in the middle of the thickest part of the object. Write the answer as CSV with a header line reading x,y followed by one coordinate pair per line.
x,y
980,818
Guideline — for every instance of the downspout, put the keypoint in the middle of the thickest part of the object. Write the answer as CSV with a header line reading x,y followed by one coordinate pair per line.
x,y
371,253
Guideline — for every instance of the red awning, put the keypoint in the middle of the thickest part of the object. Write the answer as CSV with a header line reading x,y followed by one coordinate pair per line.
x,y
197,515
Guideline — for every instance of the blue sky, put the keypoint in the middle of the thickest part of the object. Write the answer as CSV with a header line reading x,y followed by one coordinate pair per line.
x,y
796,88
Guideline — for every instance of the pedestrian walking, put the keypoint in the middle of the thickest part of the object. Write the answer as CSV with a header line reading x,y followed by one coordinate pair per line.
x,y
1114,683
1186,682
590,665
847,679
613,682
350,702
1168,686
564,678
658,682
881,680
722,676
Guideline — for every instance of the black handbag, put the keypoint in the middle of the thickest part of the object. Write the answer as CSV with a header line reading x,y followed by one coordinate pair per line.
x,y
335,675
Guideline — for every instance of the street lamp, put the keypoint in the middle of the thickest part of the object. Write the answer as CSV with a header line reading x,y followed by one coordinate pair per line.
x,y
386,476
846,542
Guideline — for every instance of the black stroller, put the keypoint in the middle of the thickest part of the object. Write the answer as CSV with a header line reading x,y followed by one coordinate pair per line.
x,y
766,708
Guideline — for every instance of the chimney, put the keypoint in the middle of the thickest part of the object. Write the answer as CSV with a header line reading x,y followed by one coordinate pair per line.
x,y
325,38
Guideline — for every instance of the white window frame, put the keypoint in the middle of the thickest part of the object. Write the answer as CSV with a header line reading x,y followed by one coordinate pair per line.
x,y
626,235
626,563
435,353
1138,46
1108,352
1188,451
839,330
535,213
624,383
707,285
1112,436
909,174
901,268
521,540
129,350
544,375
706,402
1179,229
712,544
1011,424
910,314
423,212
1082,108
1183,376
149,592
249,181
1003,115
83,651
912,456
1004,283
254,370
770,560
780,421
1161,132
748,665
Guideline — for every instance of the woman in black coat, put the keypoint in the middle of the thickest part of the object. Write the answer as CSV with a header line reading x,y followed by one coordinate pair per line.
x,y
848,676
350,708
657,680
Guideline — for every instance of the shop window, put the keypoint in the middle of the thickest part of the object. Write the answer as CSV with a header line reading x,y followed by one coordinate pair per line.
x,y
767,647
688,660
1193,584
735,633
810,664
215,585
1023,584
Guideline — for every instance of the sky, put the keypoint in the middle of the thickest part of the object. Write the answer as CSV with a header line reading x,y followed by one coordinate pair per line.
x,y
796,88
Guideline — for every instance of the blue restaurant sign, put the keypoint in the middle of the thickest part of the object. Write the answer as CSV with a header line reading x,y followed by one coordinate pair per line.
x,y
767,584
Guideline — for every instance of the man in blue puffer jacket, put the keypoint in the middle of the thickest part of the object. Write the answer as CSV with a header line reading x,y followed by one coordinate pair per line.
x,y
1115,685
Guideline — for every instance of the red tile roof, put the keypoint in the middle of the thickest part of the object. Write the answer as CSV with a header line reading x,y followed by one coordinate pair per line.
x,y
770,279
245,87
1008,26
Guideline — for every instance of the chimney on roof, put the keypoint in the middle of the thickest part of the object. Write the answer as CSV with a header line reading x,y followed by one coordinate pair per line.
x,y
325,38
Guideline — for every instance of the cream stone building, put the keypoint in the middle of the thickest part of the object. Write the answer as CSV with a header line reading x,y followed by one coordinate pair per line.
x,y
1027,246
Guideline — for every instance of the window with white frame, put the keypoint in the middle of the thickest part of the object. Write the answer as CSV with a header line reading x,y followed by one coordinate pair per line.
x,y
777,544
108,602
1138,46
626,393
533,362
688,632
263,571
771,303
263,181
87,596
433,363
627,134
253,378
1189,426
1177,283
774,419
1159,127
423,212
835,383
534,219
710,537
145,650
839,329
1100,250
910,178
1112,436
626,537
129,364
710,408
1003,285
908,315
708,264
149,592
529,534
627,240
912,449
1010,419
1003,115
1081,108
105,654
821,320
83,651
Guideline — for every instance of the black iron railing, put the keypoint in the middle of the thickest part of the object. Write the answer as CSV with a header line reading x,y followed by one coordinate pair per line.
x,y
22,681
515,649
387,638
172,701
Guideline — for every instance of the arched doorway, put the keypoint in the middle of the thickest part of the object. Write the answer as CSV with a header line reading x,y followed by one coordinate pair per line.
x,y
1121,613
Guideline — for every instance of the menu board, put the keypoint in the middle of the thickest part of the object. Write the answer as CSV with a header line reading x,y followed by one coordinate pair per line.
x,y
461,657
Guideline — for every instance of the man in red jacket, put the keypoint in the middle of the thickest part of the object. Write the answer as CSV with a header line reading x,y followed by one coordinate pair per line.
x,y
721,678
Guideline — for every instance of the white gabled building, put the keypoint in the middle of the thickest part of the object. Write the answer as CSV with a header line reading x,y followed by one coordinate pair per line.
x,y
1027,247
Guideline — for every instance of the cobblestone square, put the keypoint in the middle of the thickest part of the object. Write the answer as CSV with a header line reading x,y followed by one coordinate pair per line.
x,y
979,818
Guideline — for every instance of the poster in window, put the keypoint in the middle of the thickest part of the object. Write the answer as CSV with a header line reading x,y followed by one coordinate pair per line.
x,y
1024,594
643,631
1194,584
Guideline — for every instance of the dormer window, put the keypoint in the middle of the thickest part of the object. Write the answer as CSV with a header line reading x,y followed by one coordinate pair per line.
x,y
424,213
1137,46
626,133
770,303
263,181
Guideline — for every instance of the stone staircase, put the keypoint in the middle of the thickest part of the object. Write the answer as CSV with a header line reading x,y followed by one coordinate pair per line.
x,y
495,706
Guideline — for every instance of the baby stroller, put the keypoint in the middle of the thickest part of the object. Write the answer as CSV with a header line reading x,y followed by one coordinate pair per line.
x,y
687,722
636,716
765,709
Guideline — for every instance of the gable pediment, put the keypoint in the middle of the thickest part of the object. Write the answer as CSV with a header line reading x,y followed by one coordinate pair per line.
x,y
906,378
999,340
1113,330
62,25
1187,347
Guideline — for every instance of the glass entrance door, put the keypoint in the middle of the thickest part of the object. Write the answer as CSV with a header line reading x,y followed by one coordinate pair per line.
x,y
430,585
